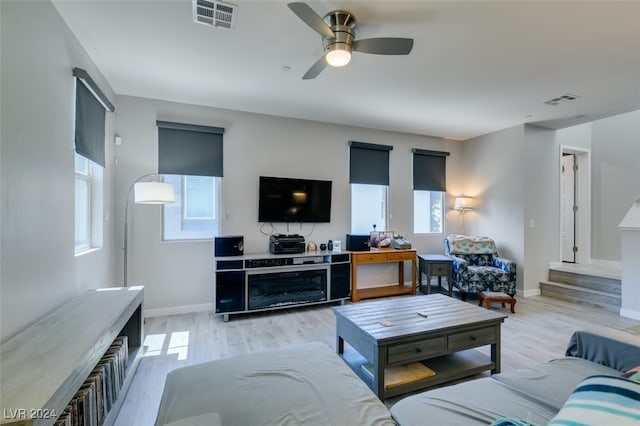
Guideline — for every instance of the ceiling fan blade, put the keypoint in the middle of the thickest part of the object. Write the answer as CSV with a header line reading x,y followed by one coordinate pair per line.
x,y
315,69
384,46
311,18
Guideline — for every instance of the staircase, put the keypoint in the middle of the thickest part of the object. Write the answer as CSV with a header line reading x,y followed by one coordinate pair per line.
x,y
584,286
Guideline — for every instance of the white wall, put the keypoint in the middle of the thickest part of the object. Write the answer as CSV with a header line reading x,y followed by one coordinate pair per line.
x,y
494,176
39,271
513,175
615,180
542,206
181,273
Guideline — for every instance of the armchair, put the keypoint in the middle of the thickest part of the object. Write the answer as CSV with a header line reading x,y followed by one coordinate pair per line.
x,y
478,267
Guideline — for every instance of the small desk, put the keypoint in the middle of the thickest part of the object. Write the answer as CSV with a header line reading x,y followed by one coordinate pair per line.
x,y
382,256
435,265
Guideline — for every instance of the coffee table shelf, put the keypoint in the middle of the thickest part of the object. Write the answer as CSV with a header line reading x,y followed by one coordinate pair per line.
x,y
448,368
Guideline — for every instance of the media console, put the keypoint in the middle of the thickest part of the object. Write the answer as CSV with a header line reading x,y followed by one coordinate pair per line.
x,y
259,282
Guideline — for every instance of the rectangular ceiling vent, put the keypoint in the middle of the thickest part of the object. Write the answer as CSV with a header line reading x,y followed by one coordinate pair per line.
x,y
560,99
214,13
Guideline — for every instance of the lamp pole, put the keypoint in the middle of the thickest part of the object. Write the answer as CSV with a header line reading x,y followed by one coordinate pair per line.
x,y
126,217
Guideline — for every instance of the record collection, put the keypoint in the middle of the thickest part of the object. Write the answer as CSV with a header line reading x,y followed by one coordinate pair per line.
x,y
98,394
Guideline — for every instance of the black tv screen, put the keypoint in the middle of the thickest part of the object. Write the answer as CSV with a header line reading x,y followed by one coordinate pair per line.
x,y
294,200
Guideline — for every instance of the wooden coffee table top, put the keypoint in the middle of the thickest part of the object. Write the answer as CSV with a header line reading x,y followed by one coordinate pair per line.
x,y
443,313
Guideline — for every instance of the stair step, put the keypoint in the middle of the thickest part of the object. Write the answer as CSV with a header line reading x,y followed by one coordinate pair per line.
x,y
607,285
582,295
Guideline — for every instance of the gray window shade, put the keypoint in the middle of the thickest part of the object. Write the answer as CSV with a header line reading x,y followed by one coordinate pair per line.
x,y
369,163
90,116
429,170
187,149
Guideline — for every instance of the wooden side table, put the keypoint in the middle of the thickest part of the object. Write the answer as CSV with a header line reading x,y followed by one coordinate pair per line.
x,y
435,265
359,258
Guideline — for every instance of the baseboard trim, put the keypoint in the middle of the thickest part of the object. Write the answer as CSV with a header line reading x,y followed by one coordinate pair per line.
x,y
178,310
529,293
628,313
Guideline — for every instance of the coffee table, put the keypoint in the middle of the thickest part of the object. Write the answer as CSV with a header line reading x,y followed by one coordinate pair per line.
x,y
396,332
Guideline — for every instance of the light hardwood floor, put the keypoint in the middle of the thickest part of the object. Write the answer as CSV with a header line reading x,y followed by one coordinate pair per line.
x,y
537,332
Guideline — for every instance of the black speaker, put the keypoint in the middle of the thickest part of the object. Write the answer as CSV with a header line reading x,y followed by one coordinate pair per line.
x,y
228,245
340,281
357,242
230,291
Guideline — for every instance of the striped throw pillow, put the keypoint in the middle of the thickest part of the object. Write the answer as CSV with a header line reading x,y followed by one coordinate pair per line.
x,y
601,400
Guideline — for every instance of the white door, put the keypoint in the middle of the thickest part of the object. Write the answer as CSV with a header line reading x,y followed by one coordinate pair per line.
x,y
567,208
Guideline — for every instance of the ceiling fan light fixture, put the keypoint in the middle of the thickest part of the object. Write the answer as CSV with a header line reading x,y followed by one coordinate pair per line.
x,y
338,56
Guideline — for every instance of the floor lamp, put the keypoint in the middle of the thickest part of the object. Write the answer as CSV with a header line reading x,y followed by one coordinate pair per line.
x,y
463,204
153,192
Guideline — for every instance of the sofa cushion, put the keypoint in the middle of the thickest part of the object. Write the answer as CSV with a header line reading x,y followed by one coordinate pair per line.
x,y
533,394
618,349
463,244
477,402
477,259
602,400
487,273
299,384
551,383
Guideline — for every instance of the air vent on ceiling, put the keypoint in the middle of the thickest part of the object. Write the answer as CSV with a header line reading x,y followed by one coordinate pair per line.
x,y
564,98
214,13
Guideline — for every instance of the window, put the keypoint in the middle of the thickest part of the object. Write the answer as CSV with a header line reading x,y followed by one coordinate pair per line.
x,y
369,178
427,212
368,208
89,135
195,214
88,205
190,158
82,204
429,186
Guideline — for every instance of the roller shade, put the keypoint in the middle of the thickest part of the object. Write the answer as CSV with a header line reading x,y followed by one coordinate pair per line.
x,y
189,149
429,170
369,163
91,105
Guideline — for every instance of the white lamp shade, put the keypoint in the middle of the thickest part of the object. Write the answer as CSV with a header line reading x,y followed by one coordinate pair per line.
x,y
154,193
463,203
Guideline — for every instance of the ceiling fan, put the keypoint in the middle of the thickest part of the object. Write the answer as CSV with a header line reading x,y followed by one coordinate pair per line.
x,y
338,31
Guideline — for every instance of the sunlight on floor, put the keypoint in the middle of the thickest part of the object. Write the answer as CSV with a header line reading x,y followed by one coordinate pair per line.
x,y
178,343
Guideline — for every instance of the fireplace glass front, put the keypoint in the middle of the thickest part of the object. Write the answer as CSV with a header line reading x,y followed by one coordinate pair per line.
x,y
274,289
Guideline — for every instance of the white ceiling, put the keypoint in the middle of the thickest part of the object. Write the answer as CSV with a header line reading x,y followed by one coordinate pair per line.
x,y
476,66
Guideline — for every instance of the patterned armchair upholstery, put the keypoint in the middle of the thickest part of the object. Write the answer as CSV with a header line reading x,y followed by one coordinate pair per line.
x,y
478,267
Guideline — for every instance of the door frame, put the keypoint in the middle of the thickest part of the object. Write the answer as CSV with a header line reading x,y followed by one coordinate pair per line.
x,y
582,200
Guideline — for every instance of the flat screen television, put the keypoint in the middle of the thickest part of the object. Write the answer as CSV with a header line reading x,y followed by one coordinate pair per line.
x,y
294,200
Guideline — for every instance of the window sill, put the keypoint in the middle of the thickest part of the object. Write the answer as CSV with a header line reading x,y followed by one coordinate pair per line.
x,y
189,240
87,251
